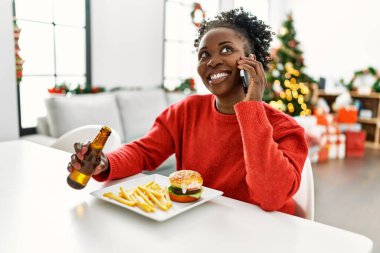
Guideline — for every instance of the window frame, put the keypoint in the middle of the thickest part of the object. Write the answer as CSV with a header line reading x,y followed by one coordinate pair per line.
x,y
178,41
88,75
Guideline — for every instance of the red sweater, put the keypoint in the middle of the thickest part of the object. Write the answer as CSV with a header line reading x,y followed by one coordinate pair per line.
x,y
255,155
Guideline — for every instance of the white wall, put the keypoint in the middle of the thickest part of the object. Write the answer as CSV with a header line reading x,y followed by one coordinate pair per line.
x,y
225,5
276,16
8,97
127,42
338,37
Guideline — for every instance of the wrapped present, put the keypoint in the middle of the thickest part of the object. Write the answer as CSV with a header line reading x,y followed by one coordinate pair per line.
x,y
322,117
353,127
337,146
323,154
355,143
341,146
333,148
332,145
347,115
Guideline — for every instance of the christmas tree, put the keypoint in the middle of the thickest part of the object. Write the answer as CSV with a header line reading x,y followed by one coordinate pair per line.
x,y
290,89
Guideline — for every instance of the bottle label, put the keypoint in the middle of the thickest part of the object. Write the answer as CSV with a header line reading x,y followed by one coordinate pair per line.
x,y
79,177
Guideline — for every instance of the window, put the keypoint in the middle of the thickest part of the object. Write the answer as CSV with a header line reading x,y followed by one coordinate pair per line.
x,y
54,47
180,61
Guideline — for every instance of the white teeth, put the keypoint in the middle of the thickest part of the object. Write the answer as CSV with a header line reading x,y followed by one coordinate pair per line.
x,y
218,75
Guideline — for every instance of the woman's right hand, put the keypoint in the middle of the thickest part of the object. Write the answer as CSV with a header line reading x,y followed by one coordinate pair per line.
x,y
77,158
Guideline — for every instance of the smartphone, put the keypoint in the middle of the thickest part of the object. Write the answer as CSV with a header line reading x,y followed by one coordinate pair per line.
x,y
244,79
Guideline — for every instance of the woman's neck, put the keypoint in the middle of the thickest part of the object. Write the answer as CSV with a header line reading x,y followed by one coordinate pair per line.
x,y
226,105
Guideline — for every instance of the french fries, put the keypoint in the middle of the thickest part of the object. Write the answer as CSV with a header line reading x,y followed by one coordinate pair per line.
x,y
119,199
146,197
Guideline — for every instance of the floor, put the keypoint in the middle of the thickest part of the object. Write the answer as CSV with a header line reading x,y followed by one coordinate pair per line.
x,y
347,194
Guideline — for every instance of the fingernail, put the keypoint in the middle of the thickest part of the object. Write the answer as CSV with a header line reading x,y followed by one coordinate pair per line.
x,y
250,55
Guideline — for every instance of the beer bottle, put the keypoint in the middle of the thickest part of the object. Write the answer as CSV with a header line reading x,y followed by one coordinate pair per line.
x,y
78,178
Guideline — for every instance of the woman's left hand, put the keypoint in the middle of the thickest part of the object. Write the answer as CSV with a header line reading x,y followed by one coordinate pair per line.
x,y
257,80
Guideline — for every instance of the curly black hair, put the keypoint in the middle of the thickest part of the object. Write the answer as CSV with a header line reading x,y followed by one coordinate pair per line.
x,y
254,31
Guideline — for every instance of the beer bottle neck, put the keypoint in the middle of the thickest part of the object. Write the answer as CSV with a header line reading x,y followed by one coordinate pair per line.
x,y
100,140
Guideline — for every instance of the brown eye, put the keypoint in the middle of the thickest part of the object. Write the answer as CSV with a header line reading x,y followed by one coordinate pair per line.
x,y
226,50
203,55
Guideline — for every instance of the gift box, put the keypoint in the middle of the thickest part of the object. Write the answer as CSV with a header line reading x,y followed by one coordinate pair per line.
x,y
337,146
341,146
323,154
355,144
323,118
352,127
347,115
332,144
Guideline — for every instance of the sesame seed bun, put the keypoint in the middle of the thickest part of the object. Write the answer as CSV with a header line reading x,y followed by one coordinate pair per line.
x,y
186,178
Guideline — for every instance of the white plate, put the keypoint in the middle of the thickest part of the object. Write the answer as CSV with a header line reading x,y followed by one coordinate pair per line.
x,y
158,215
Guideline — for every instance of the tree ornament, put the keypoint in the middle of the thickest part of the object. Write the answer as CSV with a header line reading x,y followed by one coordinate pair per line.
x,y
283,31
277,86
292,43
276,73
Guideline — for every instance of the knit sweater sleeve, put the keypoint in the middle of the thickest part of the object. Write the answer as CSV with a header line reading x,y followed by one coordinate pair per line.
x,y
274,153
146,153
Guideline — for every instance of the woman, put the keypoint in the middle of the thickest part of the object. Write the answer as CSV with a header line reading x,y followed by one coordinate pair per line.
x,y
238,144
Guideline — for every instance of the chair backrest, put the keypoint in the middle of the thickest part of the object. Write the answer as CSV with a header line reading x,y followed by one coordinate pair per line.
x,y
304,197
84,134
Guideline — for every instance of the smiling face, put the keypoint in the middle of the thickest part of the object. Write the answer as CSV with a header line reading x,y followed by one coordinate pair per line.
x,y
218,53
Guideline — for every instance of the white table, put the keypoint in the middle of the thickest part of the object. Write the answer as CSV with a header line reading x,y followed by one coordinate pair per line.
x,y
40,213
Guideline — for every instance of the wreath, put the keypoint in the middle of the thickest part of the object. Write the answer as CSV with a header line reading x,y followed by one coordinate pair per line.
x,y
368,71
197,8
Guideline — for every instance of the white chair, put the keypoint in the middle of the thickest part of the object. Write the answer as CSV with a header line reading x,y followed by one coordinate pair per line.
x,y
84,134
304,197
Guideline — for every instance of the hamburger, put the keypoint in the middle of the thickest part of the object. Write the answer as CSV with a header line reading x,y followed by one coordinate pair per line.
x,y
185,186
